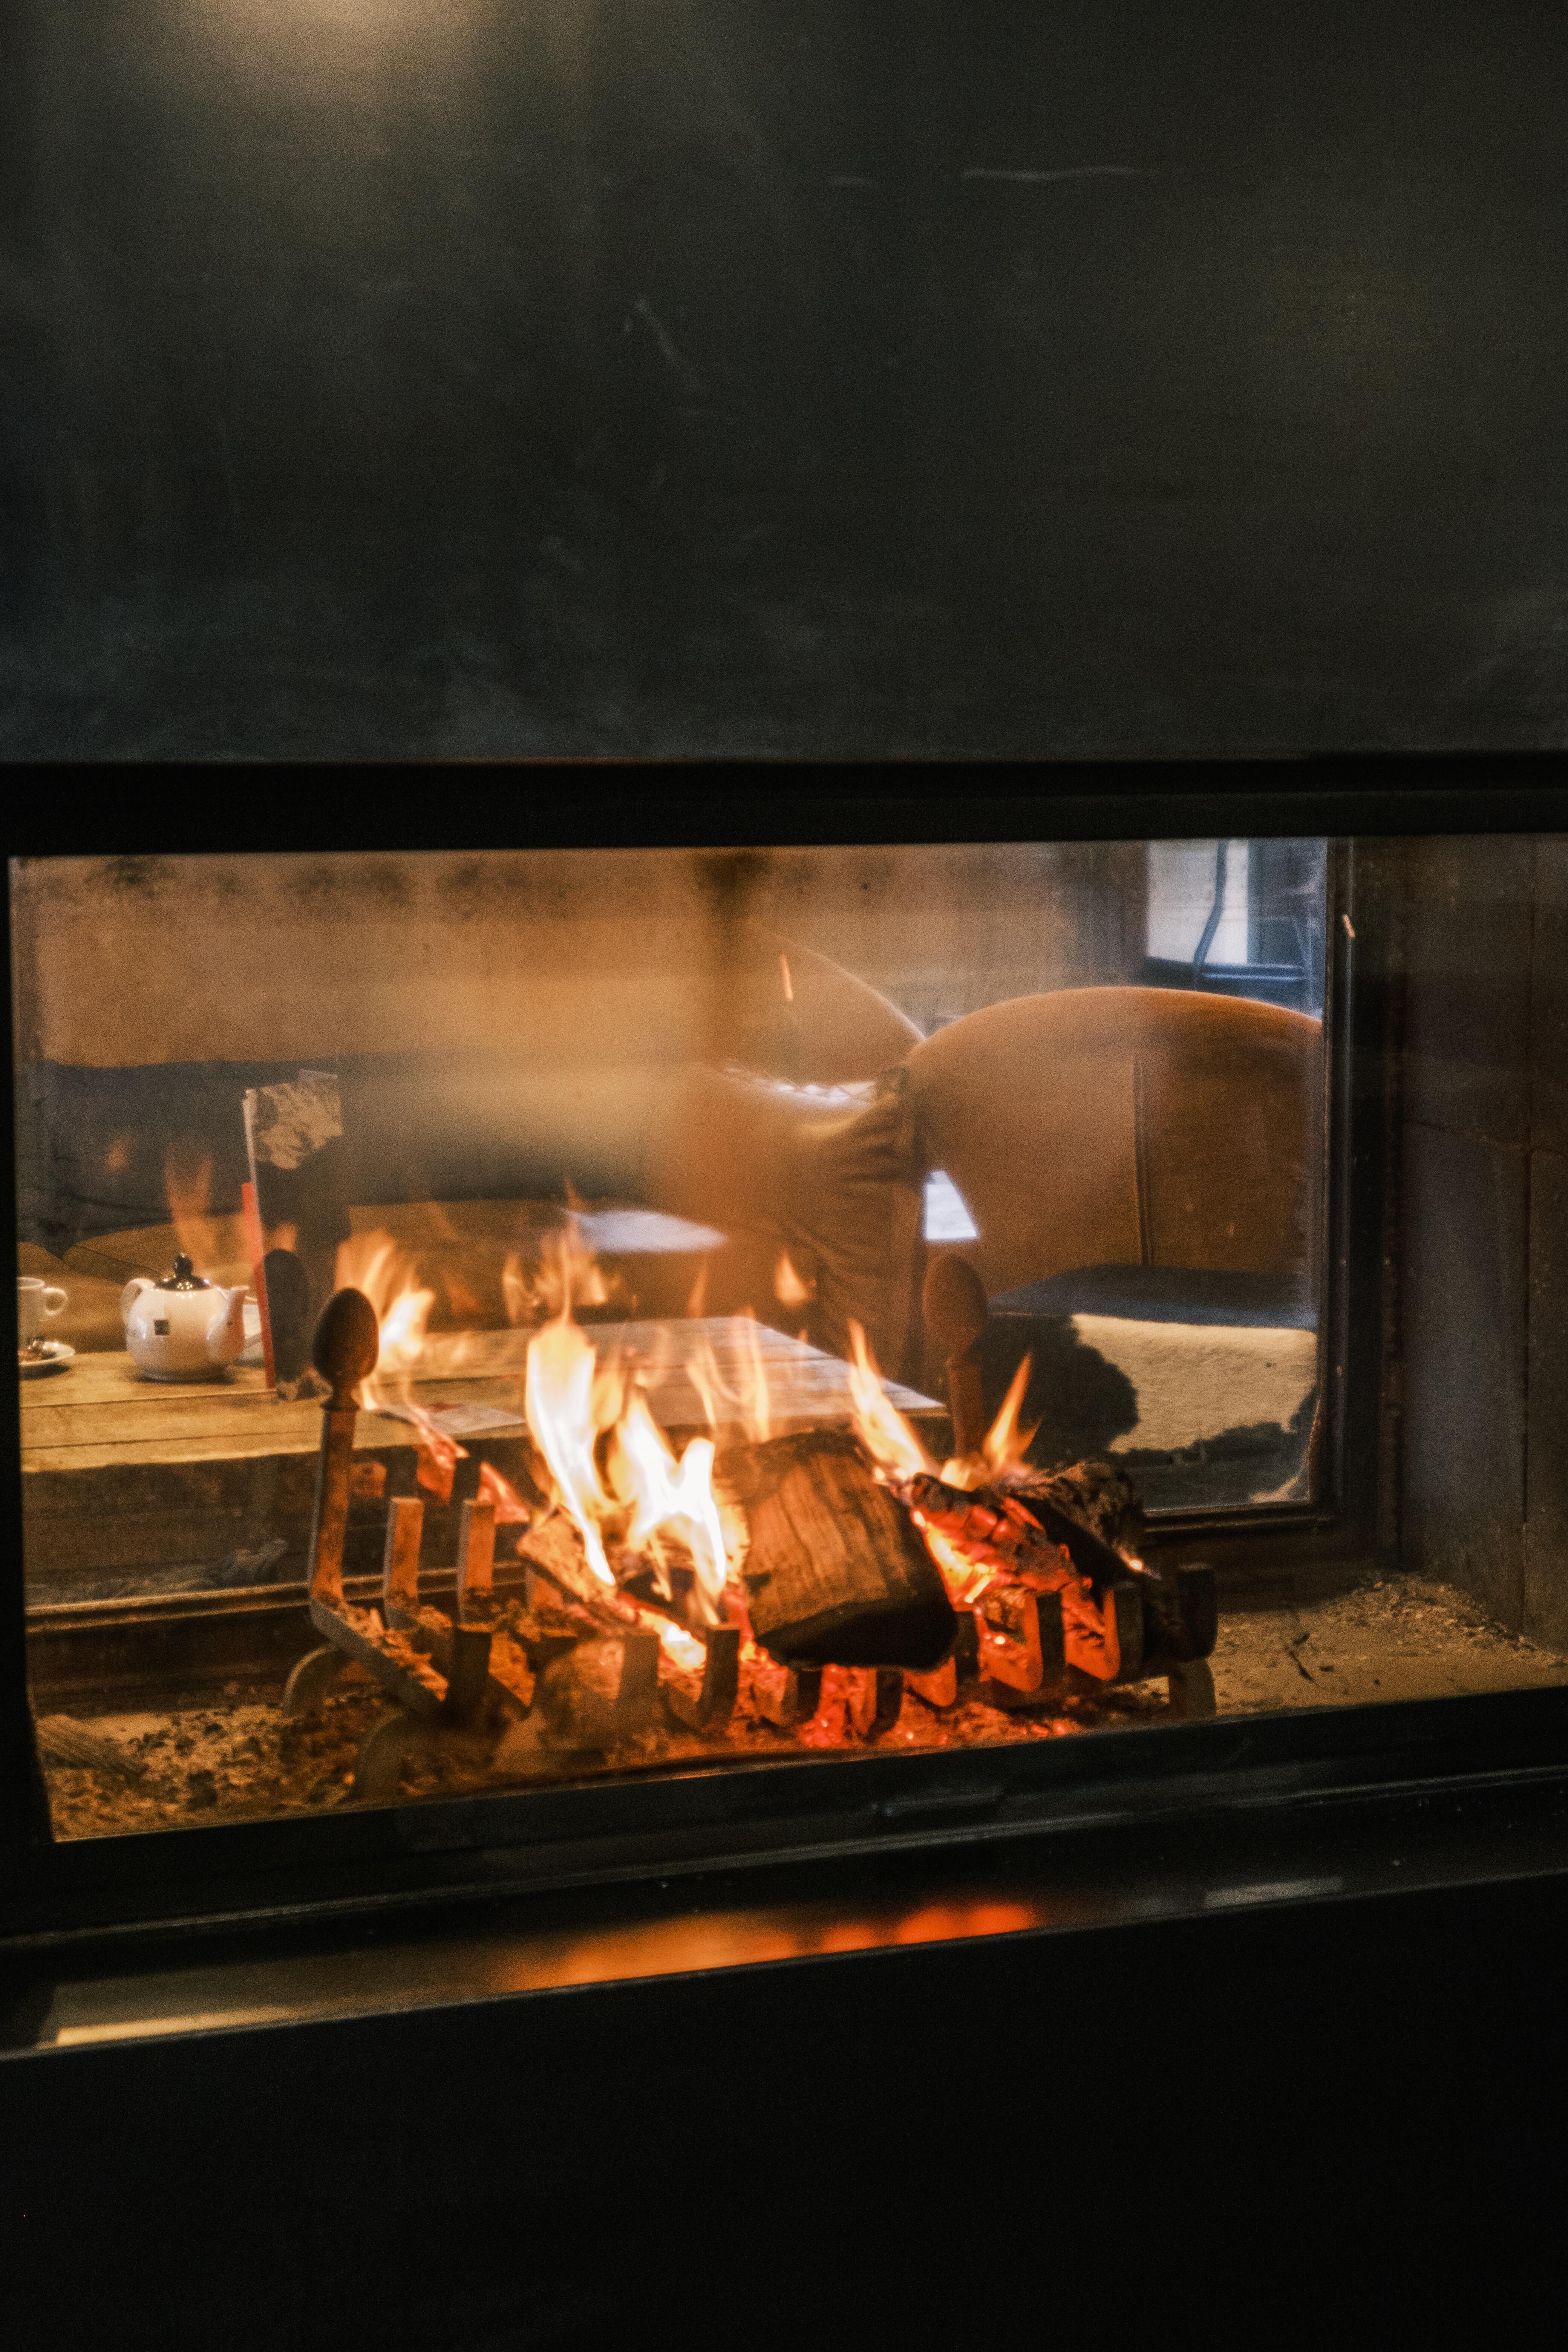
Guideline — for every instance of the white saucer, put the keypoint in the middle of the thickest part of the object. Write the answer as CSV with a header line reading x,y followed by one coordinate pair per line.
x,y
57,1356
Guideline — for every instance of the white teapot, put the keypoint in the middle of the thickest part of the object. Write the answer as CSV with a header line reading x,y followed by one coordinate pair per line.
x,y
183,1328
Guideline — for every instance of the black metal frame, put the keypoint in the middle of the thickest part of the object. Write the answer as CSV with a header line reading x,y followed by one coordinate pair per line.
x,y
681,1820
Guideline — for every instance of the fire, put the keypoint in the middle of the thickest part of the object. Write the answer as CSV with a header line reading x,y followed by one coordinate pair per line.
x,y
509,1508
645,1497
605,1462
898,1452
788,1287
880,1425
559,1400
568,1273
743,1403
1003,1447
187,1187
373,1264
674,1497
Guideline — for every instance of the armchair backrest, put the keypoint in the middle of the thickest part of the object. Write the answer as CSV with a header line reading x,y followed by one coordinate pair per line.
x,y
1126,1127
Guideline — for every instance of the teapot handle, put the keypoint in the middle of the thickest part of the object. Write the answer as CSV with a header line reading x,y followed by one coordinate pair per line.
x,y
132,1292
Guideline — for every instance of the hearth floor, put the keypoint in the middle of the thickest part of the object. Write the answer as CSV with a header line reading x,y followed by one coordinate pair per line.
x,y
1387,1638
232,1757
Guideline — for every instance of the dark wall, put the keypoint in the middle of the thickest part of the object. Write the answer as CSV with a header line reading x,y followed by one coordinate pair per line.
x,y
1485,1292
519,376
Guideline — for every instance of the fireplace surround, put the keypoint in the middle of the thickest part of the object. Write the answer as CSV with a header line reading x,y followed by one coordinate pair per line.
x,y
1342,1569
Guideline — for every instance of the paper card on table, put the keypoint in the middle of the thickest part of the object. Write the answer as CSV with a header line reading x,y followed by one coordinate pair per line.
x,y
456,1420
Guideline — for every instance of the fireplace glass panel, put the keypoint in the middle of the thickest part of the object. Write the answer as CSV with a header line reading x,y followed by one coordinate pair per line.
x,y
497,1322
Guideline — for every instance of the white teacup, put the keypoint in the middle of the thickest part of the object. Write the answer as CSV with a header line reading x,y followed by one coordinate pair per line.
x,y
37,1303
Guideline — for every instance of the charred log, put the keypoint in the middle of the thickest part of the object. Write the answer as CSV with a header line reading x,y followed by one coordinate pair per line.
x,y
1095,1495
834,1574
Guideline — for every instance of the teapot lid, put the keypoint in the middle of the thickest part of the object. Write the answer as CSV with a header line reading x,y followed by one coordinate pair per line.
x,y
184,1277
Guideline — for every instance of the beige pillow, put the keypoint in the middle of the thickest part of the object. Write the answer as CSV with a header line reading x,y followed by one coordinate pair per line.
x,y
826,1174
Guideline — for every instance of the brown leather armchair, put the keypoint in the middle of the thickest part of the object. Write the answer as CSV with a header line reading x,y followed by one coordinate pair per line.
x,y
1125,1127
1123,1140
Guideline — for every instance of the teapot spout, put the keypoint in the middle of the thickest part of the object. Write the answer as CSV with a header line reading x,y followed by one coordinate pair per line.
x,y
225,1332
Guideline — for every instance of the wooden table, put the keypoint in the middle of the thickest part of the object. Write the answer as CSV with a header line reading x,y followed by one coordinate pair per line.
x,y
125,1479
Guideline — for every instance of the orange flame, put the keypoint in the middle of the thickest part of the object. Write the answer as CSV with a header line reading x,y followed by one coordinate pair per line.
x,y
743,1402
373,1264
187,1187
1003,1447
672,1497
605,1462
567,1273
880,1425
560,1401
509,1508
898,1452
788,1287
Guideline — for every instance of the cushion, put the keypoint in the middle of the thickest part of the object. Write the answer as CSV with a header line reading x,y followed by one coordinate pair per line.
x,y
824,1175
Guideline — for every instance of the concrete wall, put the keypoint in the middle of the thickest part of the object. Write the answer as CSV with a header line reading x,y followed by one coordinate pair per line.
x,y
556,958
1484,1224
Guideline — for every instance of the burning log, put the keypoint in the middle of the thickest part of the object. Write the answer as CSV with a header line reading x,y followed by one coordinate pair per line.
x,y
834,1573
1125,1621
1103,1628
1095,1495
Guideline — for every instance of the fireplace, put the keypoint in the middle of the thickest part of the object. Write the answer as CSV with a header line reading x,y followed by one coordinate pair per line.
x,y
612,1355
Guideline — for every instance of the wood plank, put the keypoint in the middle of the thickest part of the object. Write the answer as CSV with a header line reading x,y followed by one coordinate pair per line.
x,y
110,1414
